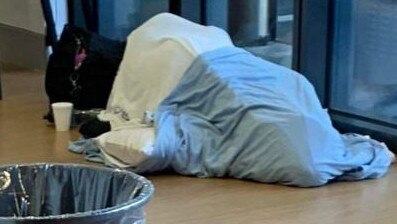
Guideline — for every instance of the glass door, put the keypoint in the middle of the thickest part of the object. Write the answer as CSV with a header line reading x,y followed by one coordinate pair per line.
x,y
114,19
364,78
348,50
263,27
267,28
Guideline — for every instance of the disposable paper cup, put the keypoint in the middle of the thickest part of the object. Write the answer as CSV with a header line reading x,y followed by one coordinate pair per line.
x,y
62,115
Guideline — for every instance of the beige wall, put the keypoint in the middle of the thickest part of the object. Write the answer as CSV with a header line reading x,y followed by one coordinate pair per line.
x,y
22,31
25,14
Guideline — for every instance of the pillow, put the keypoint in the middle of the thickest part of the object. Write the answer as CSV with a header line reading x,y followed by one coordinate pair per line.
x,y
130,147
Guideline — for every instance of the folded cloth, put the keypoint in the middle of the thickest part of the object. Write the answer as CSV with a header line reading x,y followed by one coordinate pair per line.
x,y
127,147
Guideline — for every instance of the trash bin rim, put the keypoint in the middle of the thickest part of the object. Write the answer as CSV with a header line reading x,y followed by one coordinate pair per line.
x,y
142,199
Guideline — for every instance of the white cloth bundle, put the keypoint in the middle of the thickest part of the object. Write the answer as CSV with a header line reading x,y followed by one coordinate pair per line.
x,y
157,55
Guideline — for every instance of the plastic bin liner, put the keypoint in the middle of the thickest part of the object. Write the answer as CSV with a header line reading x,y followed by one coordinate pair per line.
x,y
55,193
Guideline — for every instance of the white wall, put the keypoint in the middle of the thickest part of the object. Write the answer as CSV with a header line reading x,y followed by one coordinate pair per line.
x,y
25,14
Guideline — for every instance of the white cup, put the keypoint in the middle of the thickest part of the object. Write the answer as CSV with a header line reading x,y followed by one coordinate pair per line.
x,y
62,115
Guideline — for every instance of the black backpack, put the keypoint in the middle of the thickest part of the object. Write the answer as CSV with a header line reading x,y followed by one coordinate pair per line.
x,y
86,84
82,67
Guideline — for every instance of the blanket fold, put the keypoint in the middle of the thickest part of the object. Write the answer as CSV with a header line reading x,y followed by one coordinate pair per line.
x,y
233,114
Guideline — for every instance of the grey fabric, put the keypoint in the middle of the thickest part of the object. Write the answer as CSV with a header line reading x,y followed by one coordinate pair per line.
x,y
88,148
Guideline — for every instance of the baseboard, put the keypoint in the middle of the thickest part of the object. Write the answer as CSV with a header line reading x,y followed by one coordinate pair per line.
x,y
22,47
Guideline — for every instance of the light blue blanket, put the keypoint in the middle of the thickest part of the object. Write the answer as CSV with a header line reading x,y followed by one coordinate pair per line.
x,y
236,115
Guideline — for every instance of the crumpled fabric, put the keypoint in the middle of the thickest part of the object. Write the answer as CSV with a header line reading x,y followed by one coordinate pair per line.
x,y
89,149
236,115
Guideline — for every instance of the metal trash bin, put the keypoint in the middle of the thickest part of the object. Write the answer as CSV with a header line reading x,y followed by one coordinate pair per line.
x,y
68,194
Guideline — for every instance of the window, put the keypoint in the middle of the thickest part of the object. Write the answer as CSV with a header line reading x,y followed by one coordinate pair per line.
x,y
114,19
348,51
364,81
263,27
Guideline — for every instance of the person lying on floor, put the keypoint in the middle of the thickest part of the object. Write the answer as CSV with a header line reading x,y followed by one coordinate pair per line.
x,y
220,111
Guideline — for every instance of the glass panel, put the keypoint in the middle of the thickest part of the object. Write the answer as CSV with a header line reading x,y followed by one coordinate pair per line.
x,y
118,18
364,80
263,27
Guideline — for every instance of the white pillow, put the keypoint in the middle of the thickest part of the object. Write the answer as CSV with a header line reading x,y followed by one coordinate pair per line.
x,y
127,147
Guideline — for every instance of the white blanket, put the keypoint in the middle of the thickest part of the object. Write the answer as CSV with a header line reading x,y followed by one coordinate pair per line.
x,y
157,55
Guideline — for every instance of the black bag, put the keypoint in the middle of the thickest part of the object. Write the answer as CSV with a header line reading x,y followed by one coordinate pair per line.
x,y
82,69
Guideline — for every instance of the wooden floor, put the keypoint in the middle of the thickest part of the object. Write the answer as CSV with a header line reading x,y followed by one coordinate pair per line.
x,y
25,137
